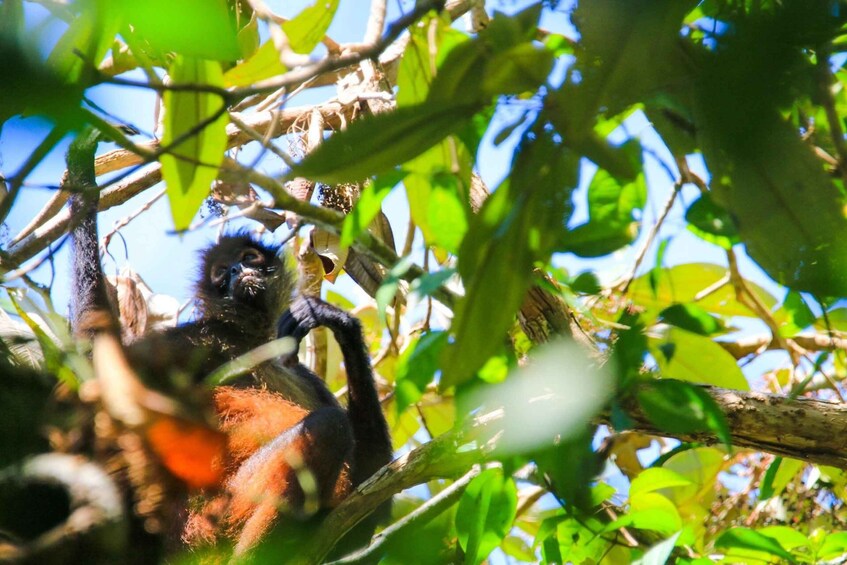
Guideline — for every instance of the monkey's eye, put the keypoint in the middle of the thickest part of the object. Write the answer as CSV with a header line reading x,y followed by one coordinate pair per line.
x,y
251,257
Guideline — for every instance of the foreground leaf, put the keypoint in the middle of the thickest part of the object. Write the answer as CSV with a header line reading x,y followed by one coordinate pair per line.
x,y
195,150
377,144
485,514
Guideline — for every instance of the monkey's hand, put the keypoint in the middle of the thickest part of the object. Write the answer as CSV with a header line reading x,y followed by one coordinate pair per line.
x,y
307,313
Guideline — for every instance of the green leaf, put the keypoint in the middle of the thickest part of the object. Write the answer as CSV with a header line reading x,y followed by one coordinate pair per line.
x,y
368,205
485,514
653,511
682,408
420,58
586,283
194,152
745,538
32,87
689,357
261,65
799,315
388,289
520,223
656,478
441,211
308,28
780,472
523,68
711,222
660,553
178,27
626,50
416,368
82,47
379,143
692,318
683,283
758,159
427,284
611,205
789,538
834,546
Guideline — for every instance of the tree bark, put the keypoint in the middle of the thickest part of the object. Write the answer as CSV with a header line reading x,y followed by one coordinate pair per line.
x,y
803,428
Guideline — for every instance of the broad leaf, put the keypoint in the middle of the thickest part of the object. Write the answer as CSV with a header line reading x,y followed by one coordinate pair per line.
x,y
611,205
416,368
711,222
261,65
195,144
683,283
485,514
689,357
178,27
683,408
745,538
379,143
308,28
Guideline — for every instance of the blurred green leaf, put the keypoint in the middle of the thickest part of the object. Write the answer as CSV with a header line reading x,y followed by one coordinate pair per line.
x,y
485,514
611,205
745,538
523,68
416,367
711,222
33,88
799,315
780,472
308,28
523,221
178,27
656,478
378,143
261,65
660,553
195,150
834,546
368,206
692,318
82,47
759,163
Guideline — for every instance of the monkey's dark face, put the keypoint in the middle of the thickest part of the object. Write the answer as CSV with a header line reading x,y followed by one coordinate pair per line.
x,y
243,271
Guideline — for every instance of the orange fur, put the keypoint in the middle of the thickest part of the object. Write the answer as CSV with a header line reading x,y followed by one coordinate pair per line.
x,y
259,488
253,417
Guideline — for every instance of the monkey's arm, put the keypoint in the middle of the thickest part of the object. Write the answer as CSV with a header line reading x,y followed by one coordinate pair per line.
x,y
370,431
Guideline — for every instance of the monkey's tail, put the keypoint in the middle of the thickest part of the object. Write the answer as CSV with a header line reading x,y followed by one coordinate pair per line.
x,y
90,309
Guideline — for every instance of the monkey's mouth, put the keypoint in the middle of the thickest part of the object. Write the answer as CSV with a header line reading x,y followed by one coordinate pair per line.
x,y
247,288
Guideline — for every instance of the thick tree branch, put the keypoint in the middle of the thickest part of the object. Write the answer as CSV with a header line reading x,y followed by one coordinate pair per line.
x,y
803,428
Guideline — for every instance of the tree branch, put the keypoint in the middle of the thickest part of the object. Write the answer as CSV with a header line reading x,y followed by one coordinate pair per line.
x,y
803,428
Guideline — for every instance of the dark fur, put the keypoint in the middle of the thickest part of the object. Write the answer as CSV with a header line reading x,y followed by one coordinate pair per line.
x,y
243,293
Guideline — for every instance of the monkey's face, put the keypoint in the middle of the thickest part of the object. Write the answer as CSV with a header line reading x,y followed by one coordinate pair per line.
x,y
242,277
243,271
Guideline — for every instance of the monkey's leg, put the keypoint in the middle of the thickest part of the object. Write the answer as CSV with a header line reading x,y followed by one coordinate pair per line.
x,y
300,471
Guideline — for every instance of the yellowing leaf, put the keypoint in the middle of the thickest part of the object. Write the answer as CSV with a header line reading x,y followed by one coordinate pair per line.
x,y
261,65
195,148
307,29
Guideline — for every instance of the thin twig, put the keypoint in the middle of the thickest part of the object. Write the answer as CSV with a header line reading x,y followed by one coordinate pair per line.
x,y
420,516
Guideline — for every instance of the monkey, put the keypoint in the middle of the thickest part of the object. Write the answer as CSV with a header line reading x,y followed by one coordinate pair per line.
x,y
293,450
